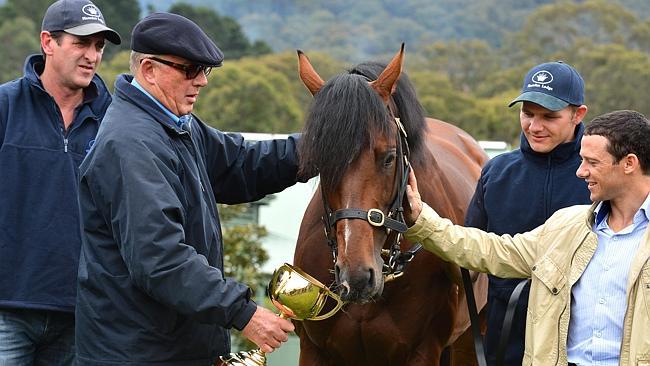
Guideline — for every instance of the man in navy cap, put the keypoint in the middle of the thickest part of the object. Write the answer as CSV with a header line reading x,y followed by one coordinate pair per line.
x,y
151,283
519,190
49,120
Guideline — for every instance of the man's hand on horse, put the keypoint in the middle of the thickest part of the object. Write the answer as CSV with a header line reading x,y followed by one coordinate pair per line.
x,y
414,207
267,330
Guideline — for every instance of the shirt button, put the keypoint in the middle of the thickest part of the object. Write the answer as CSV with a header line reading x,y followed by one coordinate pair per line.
x,y
601,301
606,268
598,333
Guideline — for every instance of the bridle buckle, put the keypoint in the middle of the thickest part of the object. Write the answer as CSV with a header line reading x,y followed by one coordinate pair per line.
x,y
376,217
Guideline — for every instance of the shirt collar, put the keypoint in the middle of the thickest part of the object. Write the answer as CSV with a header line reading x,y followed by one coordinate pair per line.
x,y
601,212
645,208
603,209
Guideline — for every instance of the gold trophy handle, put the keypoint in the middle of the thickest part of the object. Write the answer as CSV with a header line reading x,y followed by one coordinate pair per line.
x,y
339,304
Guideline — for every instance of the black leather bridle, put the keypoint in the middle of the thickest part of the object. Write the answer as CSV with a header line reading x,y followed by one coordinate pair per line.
x,y
393,221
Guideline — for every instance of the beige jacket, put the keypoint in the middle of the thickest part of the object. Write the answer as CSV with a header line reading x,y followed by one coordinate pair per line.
x,y
554,255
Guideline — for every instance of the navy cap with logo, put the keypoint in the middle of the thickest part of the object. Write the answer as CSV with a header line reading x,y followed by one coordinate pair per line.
x,y
173,34
553,85
78,17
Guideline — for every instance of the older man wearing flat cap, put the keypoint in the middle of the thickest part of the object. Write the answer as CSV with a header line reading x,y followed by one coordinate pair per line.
x,y
151,283
48,119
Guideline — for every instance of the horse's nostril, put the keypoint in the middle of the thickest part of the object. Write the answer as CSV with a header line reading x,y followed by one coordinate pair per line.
x,y
371,277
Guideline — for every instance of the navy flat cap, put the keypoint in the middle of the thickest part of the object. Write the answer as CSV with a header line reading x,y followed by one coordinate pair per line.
x,y
173,34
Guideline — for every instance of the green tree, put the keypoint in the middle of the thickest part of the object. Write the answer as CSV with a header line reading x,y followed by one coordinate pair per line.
x,y
616,78
33,10
558,29
110,69
484,119
247,96
120,15
261,94
224,30
467,63
286,63
244,255
19,40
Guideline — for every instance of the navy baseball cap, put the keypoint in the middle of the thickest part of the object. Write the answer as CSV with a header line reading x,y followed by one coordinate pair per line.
x,y
173,34
78,17
553,85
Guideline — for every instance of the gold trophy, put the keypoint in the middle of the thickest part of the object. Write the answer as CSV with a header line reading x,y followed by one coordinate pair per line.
x,y
298,296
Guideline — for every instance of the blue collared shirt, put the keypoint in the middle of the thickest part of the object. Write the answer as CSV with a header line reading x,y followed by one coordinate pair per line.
x,y
179,121
598,300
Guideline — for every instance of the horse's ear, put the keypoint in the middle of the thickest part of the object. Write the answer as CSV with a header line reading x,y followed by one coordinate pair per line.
x,y
309,76
387,82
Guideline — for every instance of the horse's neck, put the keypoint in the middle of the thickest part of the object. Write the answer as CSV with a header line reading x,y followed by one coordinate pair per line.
x,y
439,192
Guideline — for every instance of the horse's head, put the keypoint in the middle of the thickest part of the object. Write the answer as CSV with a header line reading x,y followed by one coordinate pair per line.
x,y
353,138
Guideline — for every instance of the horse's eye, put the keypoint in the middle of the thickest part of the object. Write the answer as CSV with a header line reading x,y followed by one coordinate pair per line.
x,y
389,160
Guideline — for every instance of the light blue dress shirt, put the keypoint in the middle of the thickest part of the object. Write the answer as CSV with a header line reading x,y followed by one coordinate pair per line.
x,y
598,299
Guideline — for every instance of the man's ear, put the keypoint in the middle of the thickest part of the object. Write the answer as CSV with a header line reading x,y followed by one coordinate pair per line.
x,y
580,114
630,163
147,71
46,43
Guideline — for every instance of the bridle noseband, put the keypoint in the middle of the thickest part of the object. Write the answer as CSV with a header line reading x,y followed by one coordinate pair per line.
x,y
393,222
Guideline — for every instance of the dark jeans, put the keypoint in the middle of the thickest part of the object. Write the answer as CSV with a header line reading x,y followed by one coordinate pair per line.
x,y
36,337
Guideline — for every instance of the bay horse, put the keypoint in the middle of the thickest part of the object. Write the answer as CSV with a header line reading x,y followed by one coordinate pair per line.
x,y
364,130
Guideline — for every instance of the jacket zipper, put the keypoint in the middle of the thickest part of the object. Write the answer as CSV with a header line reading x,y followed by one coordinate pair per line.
x,y
65,140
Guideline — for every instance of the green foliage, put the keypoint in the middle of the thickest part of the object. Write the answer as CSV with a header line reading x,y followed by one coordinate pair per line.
x,y
110,69
467,63
558,28
249,97
224,30
356,31
243,253
485,119
466,58
242,241
261,94
120,15
617,78
33,10
18,40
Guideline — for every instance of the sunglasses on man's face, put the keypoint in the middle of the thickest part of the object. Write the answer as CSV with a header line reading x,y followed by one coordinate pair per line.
x,y
191,71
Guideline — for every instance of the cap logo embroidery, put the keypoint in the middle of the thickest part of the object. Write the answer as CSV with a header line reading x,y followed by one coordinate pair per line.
x,y
543,77
92,12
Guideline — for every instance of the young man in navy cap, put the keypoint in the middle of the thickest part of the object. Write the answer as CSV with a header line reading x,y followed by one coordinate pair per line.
x,y
151,282
49,120
519,190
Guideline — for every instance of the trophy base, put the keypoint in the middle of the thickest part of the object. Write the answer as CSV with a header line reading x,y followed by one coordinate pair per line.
x,y
245,358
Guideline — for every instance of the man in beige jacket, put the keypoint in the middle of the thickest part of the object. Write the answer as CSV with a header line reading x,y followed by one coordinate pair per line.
x,y
589,265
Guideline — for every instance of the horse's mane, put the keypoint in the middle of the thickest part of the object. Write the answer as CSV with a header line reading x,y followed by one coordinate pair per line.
x,y
345,113
410,111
